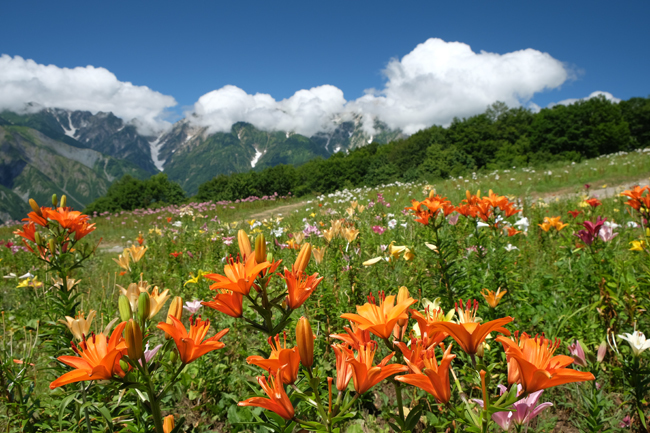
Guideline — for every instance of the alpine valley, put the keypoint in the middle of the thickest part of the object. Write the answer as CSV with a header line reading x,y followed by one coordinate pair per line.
x,y
45,151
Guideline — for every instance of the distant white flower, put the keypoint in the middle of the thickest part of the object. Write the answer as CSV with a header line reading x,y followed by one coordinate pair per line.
x,y
510,247
632,224
192,306
637,341
482,224
392,224
27,275
523,224
613,225
277,232
177,224
10,275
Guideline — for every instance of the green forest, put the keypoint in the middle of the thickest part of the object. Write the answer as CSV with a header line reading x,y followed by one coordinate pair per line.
x,y
499,138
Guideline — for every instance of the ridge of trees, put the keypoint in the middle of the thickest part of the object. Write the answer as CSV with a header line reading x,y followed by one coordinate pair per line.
x,y
500,138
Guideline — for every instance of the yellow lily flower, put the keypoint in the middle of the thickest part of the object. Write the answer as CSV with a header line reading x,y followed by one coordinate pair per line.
x,y
350,234
157,301
123,260
136,252
196,279
318,254
637,245
58,282
372,261
354,204
78,325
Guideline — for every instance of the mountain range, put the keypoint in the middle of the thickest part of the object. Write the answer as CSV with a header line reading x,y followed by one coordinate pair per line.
x,y
55,151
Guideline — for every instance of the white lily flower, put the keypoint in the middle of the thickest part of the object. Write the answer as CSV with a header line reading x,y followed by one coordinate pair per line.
x,y
27,275
510,247
10,276
637,341
523,224
482,224
632,224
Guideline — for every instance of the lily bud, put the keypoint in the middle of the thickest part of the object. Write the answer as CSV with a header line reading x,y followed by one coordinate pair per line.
x,y
176,310
124,365
303,258
168,424
64,200
173,355
35,207
305,342
52,246
260,248
125,308
55,200
144,306
244,244
602,351
269,257
133,337
37,238
402,295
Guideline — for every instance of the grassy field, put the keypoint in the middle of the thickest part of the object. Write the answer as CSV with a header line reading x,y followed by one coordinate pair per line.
x,y
557,281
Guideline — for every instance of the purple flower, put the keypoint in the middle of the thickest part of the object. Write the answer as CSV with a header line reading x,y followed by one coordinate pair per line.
x,y
591,230
228,240
606,234
453,218
578,354
192,306
625,422
524,410
378,229
191,256
149,354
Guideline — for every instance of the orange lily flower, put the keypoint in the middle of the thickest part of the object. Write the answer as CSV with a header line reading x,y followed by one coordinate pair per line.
x,y
426,324
343,369
300,286
98,358
415,353
637,201
29,230
281,358
380,319
66,217
354,337
493,298
364,374
593,202
435,379
40,219
532,364
227,302
81,229
192,346
469,334
278,400
239,277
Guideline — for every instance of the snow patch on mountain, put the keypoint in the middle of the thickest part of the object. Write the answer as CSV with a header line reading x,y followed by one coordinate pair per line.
x,y
257,157
155,147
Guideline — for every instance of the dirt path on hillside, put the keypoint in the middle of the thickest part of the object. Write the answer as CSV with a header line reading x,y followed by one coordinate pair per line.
x,y
599,193
280,210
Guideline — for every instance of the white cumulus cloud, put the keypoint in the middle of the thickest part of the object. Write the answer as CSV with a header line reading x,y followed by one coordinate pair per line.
x,y
570,101
432,84
440,80
305,112
83,88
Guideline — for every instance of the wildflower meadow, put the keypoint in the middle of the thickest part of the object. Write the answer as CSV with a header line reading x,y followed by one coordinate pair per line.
x,y
513,300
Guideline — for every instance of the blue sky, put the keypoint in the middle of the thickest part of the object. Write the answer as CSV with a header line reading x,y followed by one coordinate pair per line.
x,y
187,49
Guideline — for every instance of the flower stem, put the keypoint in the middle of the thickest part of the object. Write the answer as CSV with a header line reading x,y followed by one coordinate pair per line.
x,y
86,415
